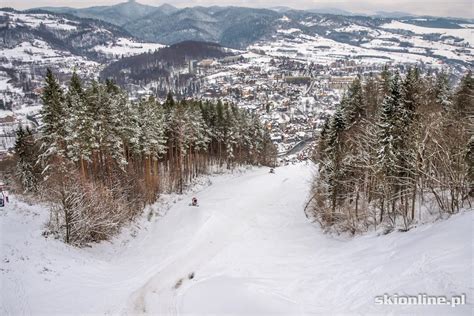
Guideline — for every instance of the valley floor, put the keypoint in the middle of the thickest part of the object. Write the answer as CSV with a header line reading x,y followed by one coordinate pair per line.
x,y
247,249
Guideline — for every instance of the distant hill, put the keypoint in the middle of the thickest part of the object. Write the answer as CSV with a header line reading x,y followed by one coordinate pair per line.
x,y
330,11
118,14
63,32
240,27
230,26
149,66
393,14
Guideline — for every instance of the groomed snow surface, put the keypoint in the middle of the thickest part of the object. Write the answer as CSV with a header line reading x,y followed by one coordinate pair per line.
x,y
251,251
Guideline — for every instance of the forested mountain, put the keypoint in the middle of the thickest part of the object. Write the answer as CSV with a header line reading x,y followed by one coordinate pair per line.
x,y
149,67
394,146
238,27
445,39
230,26
101,158
118,14
62,32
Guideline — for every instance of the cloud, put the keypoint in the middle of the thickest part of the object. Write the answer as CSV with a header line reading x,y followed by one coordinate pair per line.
x,y
457,8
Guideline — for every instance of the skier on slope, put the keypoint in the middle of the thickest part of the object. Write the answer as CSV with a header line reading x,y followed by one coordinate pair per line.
x,y
3,194
194,202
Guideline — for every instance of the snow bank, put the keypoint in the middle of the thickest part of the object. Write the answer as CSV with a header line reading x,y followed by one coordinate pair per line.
x,y
251,251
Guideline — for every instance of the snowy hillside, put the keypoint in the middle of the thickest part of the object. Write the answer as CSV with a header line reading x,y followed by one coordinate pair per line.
x,y
125,47
35,40
247,249
391,42
64,36
309,35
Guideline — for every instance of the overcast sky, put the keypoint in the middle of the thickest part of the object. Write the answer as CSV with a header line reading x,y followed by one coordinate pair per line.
x,y
455,8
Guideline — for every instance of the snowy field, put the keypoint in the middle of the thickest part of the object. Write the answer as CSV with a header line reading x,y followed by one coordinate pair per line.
x,y
379,45
125,47
464,33
247,249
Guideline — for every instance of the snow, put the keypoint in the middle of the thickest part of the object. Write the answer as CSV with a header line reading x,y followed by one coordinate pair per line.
x,y
464,33
127,47
354,28
40,52
36,20
251,249
309,23
30,51
323,50
378,47
288,31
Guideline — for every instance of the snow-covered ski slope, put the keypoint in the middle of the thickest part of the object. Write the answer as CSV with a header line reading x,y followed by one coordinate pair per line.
x,y
251,251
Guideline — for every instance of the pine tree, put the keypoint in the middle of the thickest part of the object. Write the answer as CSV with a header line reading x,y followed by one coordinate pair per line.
x,y
409,133
231,133
26,155
75,84
53,131
199,131
388,132
442,93
386,79
151,119
78,125
115,101
464,99
331,168
371,96
354,108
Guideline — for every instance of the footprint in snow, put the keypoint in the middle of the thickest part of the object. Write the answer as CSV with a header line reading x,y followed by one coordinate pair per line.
x,y
180,281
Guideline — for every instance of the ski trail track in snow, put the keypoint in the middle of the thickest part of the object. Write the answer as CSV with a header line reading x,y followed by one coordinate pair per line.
x,y
225,216
252,252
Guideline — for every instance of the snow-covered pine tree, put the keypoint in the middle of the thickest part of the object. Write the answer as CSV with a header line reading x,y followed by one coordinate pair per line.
x,y
331,168
389,140
220,131
463,105
26,155
53,132
78,125
231,132
385,82
115,101
354,108
245,140
409,139
388,132
151,140
151,119
442,92
258,135
199,140
200,134
105,105
371,96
